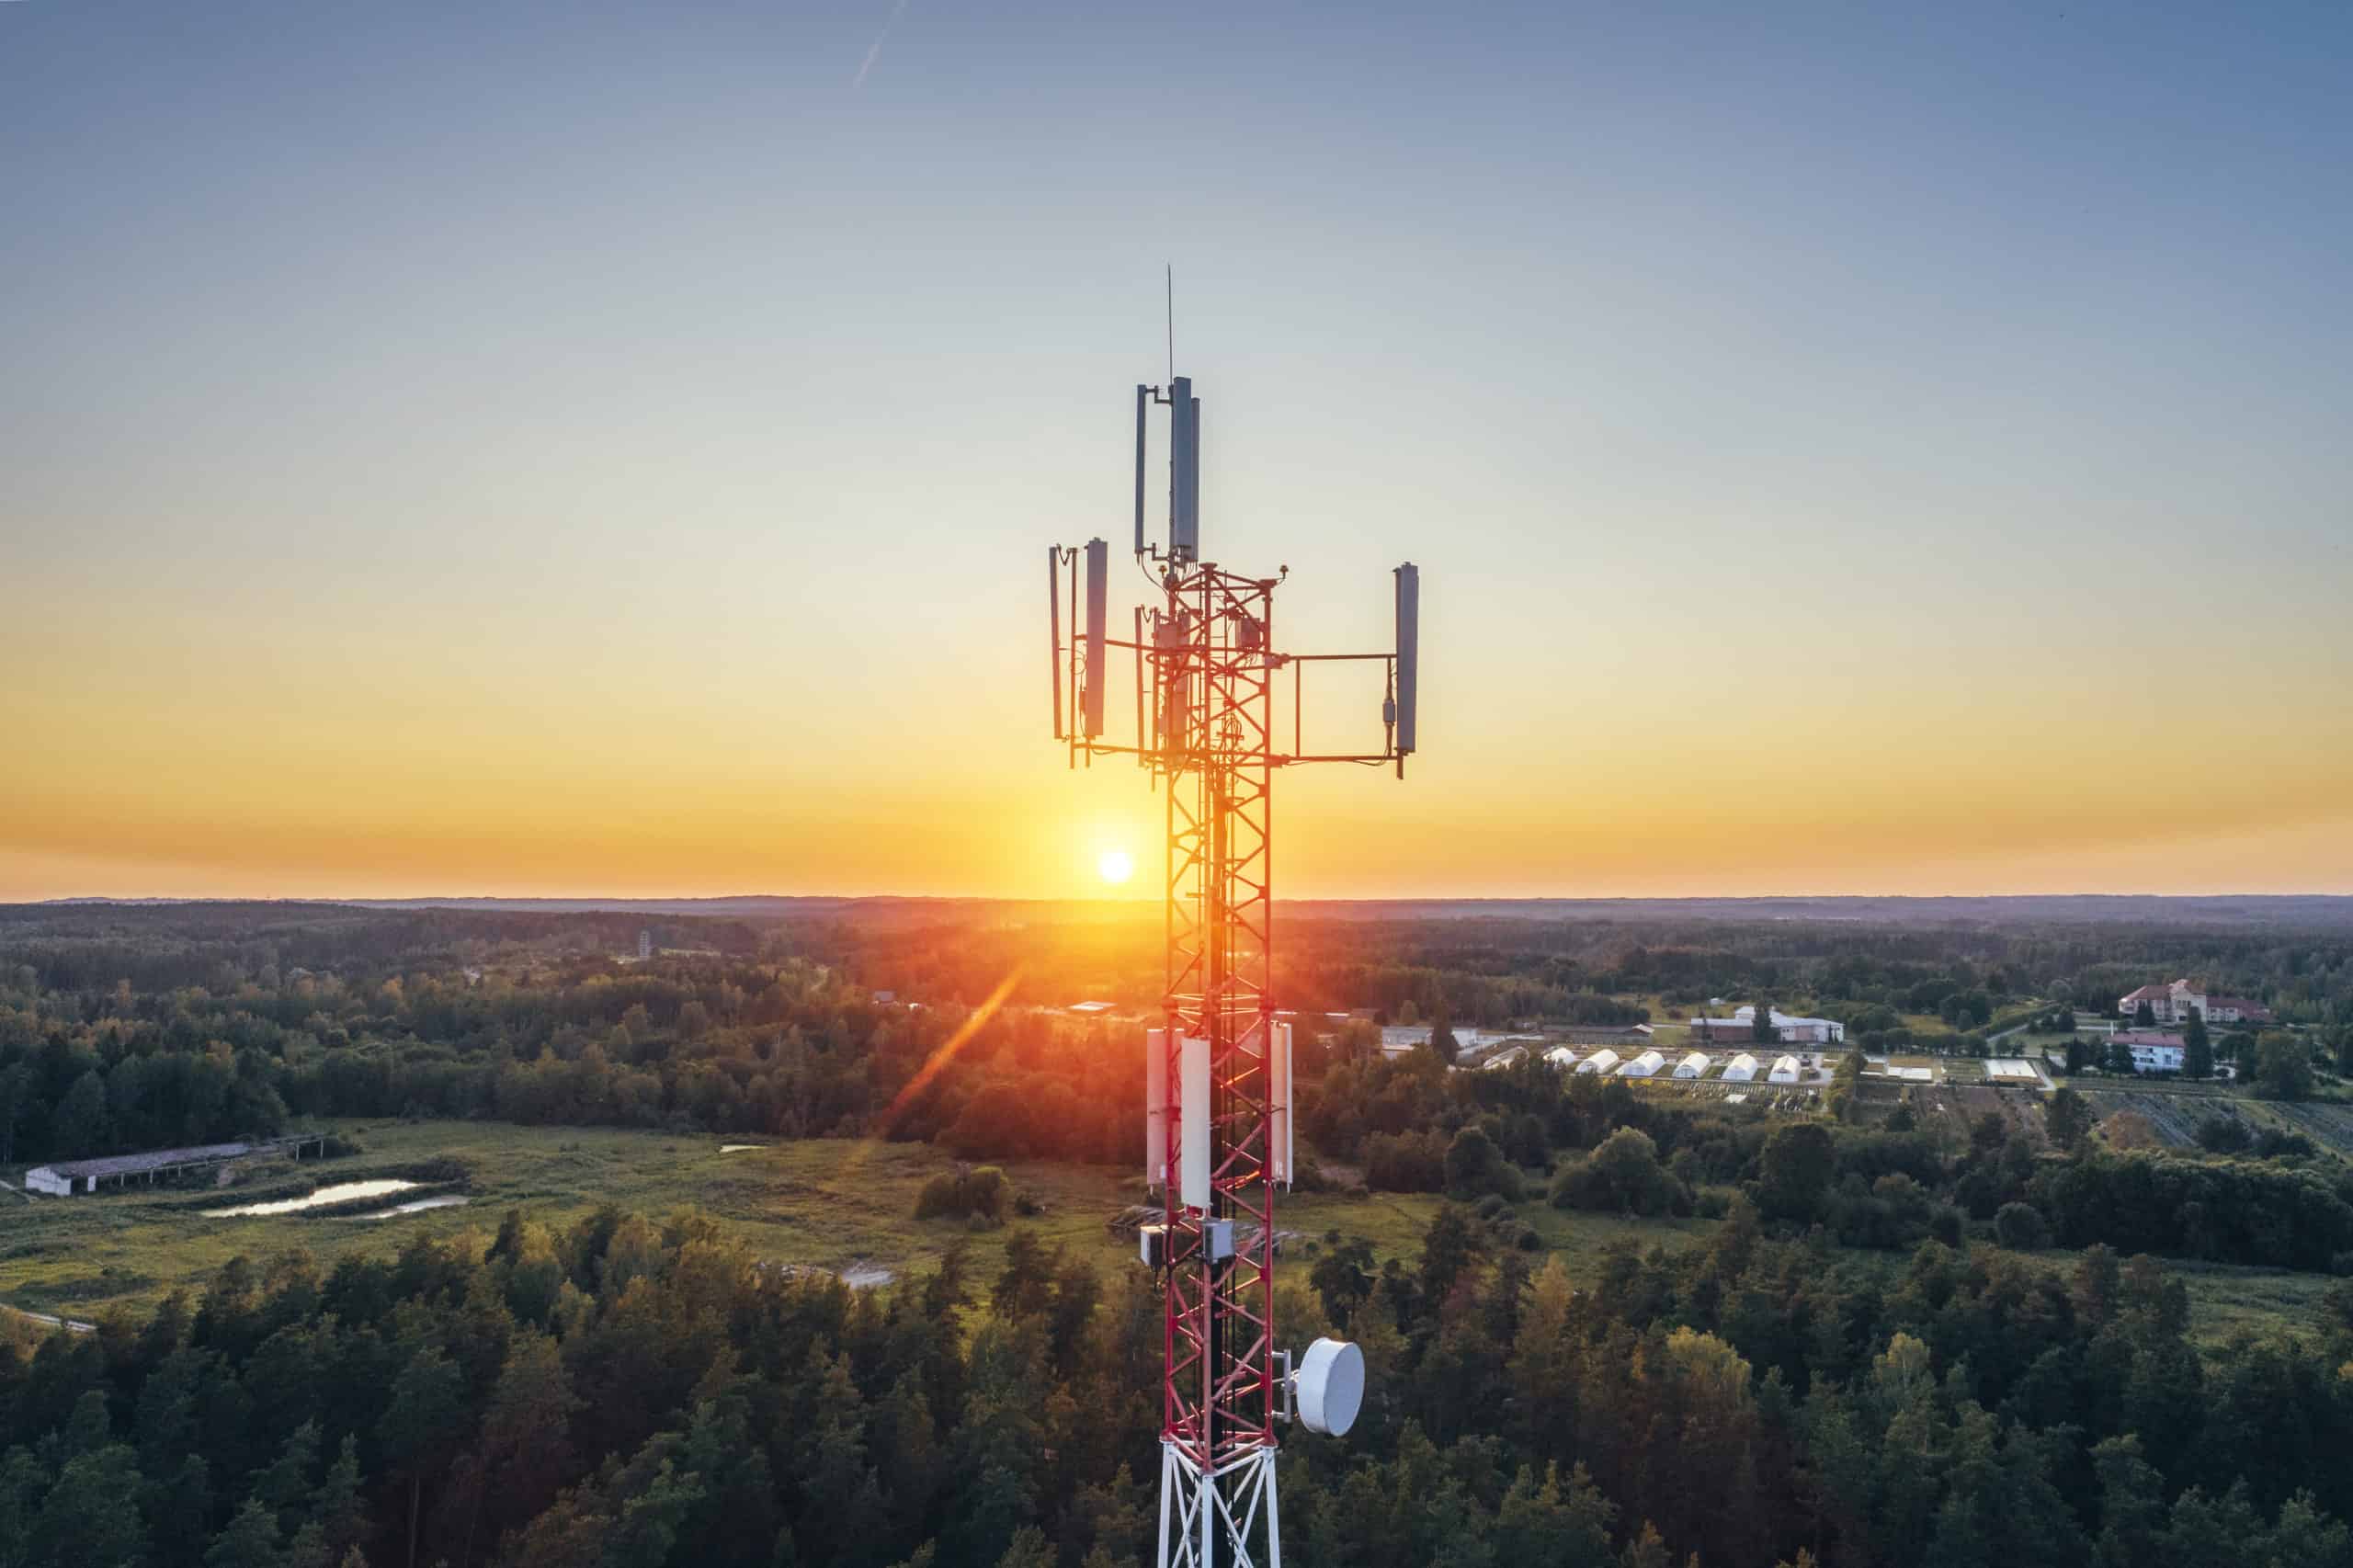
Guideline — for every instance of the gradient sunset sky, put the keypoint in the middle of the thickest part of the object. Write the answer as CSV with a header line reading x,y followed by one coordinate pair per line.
x,y
568,449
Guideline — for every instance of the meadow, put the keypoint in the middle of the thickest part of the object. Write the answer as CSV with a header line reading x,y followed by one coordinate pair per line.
x,y
841,1205
836,1204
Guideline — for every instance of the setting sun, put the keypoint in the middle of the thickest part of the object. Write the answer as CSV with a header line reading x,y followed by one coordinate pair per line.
x,y
1116,866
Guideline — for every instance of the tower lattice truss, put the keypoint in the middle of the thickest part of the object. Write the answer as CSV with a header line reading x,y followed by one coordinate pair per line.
x,y
1218,1133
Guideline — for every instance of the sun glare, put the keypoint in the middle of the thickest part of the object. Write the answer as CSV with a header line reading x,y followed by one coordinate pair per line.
x,y
1116,866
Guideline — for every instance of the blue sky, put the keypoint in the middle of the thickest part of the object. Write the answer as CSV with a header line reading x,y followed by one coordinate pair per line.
x,y
531,393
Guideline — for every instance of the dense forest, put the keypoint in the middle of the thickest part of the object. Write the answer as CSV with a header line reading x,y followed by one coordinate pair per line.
x,y
634,1395
1859,1365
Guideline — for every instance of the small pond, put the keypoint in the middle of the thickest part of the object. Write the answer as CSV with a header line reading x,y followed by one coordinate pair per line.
x,y
417,1206
341,1192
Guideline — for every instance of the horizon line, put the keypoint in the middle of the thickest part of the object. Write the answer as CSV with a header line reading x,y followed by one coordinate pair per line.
x,y
363,900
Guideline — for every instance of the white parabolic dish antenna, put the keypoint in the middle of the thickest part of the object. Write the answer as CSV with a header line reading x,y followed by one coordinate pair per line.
x,y
1330,1387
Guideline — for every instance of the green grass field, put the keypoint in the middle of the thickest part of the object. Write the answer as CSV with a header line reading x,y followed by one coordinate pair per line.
x,y
825,1203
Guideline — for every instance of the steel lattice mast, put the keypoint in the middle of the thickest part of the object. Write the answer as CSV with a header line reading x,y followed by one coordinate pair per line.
x,y
1218,1100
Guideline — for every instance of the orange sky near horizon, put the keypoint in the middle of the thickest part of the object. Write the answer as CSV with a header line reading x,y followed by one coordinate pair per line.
x,y
235,765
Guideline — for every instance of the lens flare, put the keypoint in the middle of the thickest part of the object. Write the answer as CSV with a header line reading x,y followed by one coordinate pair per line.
x,y
1116,866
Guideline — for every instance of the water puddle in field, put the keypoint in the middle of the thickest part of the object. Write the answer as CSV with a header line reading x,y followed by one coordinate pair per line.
x,y
865,1275
341,1192
739,1148
445,1200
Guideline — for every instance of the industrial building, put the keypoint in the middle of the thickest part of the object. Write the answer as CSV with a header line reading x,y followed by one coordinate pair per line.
x,y
69,1176
1788,1029
1607,1034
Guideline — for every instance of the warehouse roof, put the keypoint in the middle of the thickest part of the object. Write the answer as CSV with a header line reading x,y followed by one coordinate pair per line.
x,y
153,1160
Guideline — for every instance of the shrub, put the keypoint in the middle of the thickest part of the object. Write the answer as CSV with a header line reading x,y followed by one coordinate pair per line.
x,y
1407,1162
1476,1168
2223,1135
2020,1227
1623,1175
979,1193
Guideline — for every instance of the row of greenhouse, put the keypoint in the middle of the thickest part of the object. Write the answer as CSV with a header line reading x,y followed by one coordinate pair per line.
x,y
1741,1068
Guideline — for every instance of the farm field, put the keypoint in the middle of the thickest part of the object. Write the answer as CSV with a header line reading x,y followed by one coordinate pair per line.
x,y
1951,1107
2175,1114
827,1203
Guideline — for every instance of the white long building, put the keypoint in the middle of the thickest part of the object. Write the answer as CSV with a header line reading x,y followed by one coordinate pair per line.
x,y
1785,1070
1602,1061
1646,1066
1741,1068
1692,1066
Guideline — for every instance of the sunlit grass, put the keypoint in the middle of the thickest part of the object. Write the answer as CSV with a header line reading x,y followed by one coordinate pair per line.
x,y
827,1203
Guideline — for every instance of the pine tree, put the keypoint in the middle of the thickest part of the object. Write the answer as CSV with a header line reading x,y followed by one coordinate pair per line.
x,y
250,1541
2197,1049
85,1517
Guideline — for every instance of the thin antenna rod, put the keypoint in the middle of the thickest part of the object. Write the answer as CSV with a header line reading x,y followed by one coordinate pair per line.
x,y
1172,319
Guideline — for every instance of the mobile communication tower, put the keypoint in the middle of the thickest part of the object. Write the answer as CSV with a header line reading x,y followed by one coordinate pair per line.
x,y
1218,1135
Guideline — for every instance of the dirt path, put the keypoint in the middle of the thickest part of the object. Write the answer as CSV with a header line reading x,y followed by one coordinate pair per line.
x,y
50,1320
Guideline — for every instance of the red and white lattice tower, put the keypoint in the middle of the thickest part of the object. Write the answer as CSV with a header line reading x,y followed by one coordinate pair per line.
x,y
1218,1135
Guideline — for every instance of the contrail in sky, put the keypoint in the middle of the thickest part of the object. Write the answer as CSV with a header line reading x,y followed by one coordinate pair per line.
x,y
876,52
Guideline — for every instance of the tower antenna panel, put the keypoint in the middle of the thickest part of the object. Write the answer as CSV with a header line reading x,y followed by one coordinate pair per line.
x,y
1409,653
1184,471
1098,588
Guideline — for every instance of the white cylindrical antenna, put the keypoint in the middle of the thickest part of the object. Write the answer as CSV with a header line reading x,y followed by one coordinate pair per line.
x,y
1330,1387
1183,471
1194,1115
1098,587
1054,626
1143,396
1409,658
1155,1109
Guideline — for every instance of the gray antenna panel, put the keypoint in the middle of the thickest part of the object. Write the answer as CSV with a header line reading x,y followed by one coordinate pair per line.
x,y
1054,626
1409,654
1143,397
1098,561
1183,471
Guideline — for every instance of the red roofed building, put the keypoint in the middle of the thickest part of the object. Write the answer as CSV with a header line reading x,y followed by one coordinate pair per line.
x,y
2173,1005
